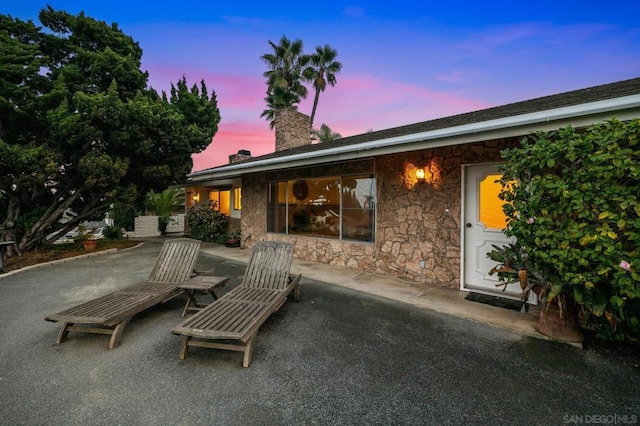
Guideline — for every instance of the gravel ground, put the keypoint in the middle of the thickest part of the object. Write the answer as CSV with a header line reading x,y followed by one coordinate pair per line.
x,y
337,357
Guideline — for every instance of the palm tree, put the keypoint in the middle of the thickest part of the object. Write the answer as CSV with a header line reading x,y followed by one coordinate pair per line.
x,y
277,100
162,204
325,134
286,63
323,70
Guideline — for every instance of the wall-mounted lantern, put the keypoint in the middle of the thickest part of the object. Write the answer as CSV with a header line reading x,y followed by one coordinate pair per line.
x,y
428,172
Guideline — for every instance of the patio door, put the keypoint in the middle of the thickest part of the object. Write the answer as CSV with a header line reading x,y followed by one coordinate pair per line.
x,y
483,222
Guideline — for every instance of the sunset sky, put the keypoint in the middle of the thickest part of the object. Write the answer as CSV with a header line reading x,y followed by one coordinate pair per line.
x,y
403,62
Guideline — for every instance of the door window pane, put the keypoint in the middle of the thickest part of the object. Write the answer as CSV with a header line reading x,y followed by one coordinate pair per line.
x,y
491,214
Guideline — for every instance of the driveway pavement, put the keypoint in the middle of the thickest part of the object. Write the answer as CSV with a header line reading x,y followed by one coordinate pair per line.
x,y
340,356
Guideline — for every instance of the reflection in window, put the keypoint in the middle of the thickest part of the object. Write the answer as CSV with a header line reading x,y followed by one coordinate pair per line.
x,y
358,207
330,207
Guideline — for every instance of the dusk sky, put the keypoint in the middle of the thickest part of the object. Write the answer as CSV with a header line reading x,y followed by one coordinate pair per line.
x,y
403,62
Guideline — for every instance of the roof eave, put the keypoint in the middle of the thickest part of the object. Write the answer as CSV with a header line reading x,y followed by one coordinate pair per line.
x,y
581,115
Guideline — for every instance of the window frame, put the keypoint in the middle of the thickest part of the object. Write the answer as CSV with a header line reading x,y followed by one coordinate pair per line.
x,y
274,210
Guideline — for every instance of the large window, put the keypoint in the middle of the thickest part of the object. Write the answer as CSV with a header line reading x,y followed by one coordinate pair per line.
x,y
330,207
222,199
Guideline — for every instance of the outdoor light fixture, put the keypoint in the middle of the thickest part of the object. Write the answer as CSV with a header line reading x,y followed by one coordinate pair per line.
x,y
196,197
416,175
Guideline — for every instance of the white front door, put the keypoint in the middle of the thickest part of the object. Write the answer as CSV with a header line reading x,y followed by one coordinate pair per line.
x,y
483,222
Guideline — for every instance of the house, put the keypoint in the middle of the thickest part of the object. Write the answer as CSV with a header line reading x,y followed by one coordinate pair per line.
x,y
417,202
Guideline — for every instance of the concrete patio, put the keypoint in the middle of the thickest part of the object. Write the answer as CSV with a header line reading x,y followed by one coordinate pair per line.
x,y
340,356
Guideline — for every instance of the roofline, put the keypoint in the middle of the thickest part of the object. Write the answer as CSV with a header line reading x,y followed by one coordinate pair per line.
x,y
625,107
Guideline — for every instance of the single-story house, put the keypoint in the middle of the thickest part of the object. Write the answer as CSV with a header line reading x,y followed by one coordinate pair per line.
x,y
417,202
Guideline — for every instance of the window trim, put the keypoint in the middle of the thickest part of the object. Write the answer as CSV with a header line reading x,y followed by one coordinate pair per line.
x,y
340,237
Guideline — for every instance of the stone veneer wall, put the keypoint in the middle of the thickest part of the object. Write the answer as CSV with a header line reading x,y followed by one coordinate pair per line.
x,y
293,129
414,221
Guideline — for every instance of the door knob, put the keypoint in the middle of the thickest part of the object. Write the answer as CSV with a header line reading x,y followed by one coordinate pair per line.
x,y
468,225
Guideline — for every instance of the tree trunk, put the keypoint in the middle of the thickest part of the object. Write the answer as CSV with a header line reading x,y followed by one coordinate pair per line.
x,y
315,105
8,232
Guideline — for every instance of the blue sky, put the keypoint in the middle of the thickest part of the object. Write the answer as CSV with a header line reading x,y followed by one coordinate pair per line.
x,y
403,64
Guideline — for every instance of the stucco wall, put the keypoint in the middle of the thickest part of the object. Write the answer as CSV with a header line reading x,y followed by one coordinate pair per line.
x,y
415,221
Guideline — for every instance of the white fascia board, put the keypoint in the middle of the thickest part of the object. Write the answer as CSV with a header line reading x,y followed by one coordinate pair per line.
x,y
577,115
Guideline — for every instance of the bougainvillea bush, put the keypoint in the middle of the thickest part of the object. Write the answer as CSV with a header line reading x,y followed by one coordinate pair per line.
x,y
204,222
575,209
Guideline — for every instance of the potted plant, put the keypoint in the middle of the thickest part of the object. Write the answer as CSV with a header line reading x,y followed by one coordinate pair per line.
x,y
234,238
162,205
87,238
558,317
514,266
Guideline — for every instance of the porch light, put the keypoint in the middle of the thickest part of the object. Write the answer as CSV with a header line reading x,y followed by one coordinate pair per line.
x,y
196,197
426,172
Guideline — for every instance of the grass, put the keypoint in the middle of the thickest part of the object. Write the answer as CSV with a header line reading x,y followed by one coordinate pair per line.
x,y
61,251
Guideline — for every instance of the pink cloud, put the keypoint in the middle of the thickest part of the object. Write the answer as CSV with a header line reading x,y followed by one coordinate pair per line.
x,y
232,137
358,104
355,106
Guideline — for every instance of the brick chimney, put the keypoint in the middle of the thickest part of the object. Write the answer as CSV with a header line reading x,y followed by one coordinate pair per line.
x,y
242,154
293,129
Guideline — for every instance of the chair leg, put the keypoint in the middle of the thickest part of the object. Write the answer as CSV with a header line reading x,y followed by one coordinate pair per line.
x,y
297,293
117,333
248,352
184,348
64,332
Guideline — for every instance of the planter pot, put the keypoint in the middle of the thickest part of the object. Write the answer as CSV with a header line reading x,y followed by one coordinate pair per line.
x,y
90,245
563,327
233,242
162,227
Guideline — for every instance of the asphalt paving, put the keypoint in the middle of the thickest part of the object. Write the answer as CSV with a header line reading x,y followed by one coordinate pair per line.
x,y
338,357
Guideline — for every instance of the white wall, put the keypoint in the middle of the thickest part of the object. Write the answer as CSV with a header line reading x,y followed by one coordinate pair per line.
x,y
147,226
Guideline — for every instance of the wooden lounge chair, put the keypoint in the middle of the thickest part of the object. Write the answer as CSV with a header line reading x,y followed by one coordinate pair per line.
x,y
232,321
110,314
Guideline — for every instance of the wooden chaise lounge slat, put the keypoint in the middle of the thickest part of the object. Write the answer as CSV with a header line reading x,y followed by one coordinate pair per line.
x,y
238,315
110,313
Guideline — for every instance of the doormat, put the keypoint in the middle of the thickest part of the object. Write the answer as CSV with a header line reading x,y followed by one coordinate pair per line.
x,y
500,302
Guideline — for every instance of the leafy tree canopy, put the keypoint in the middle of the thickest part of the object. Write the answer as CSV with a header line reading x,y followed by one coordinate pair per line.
x,y
80,129
576,213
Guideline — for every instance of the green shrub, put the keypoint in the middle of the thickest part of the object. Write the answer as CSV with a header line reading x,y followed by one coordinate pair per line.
x,y
113,232
124,217
204,222
576,213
